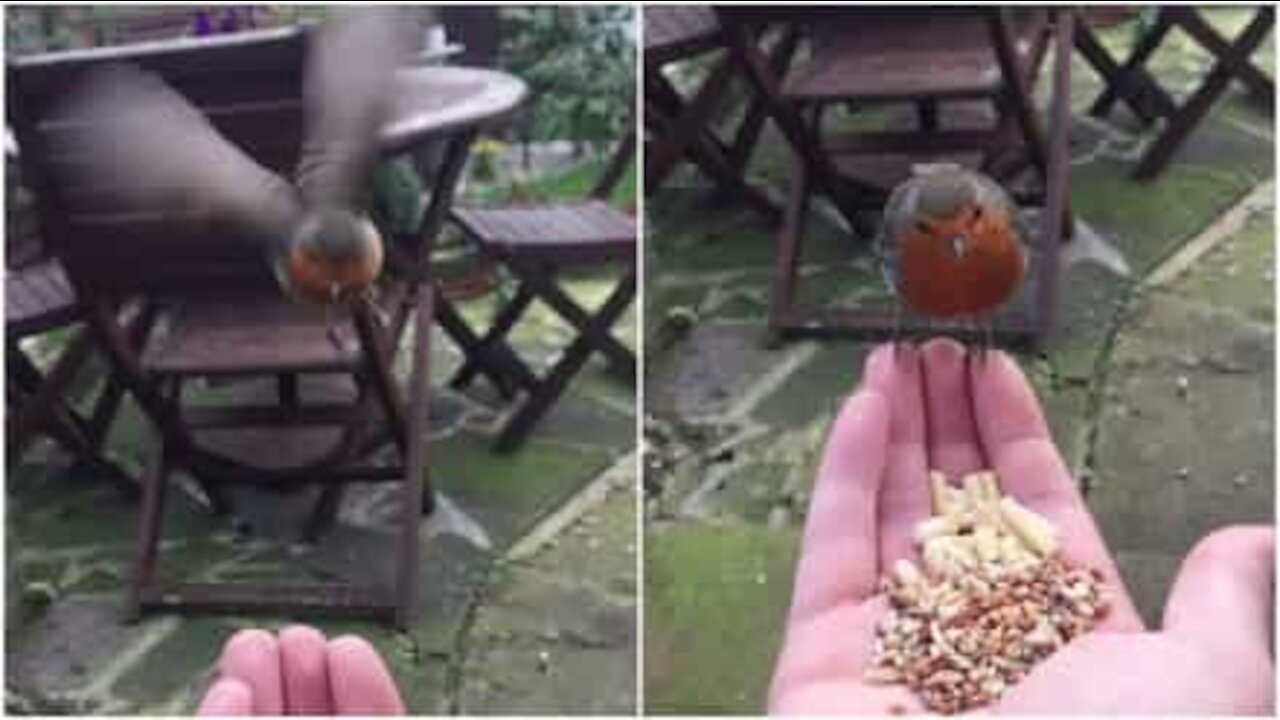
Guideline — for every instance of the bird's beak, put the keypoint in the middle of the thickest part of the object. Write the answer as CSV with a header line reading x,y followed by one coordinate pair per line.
x,y
959,245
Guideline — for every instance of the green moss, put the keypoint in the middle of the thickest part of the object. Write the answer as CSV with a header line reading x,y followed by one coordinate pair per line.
x,y
183,659
511,491
1149,221
714,606
816,388
1237,273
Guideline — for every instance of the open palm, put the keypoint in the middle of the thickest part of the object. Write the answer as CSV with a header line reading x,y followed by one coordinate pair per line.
x,y
934,408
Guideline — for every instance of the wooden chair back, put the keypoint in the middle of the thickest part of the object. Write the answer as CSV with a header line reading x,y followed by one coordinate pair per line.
x,y
248,84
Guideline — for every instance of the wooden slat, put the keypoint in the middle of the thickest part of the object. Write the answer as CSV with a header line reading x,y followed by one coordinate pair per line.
x,y
672,32
247,336
581,226
38,298
877,55
244,596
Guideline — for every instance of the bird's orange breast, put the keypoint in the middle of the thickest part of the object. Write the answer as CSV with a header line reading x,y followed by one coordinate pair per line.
x,y
316,279
935,280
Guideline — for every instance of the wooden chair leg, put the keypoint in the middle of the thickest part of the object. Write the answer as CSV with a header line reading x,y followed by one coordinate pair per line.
x,y
507,318
489,361
790,239
541,281
1131,75
35,412
419,496
690,122
744,141
155,479
1188,117
846,195
379,374
550,388
324,514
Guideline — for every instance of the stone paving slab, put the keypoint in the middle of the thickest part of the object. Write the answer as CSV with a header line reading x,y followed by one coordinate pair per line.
x,y
555,632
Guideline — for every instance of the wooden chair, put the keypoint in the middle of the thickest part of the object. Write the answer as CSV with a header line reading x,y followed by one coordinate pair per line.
x,y
39,299
682,126
536,243
1130,82
222,316
968,74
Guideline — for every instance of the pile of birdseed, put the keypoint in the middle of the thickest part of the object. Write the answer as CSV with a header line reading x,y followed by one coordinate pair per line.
x,y
993,599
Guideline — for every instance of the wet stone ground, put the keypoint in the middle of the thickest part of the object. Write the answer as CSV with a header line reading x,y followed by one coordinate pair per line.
x,y
528,582
1158,384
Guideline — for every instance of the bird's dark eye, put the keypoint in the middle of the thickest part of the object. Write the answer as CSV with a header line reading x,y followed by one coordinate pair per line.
x,y
923,226
976,213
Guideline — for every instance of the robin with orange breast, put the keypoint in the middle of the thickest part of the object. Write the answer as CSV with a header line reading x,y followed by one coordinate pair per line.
x,y
952,245
334,255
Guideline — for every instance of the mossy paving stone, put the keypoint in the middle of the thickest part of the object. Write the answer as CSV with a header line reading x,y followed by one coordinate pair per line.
x,y
707,373
1216,144
665,310
816,388
694,237
601,547
1170,468
745,493
579,420
1239,273
715,600
183,660
1147,222
93,516
65,648
1066,408
544,643
508,493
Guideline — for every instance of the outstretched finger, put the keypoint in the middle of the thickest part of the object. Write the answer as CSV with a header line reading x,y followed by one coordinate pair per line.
x,y
305,666
360,681
952,434
838,555
904,491
1016,437
253,657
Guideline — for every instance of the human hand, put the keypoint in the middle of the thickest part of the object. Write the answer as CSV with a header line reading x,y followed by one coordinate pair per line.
x,y
934,408
300,673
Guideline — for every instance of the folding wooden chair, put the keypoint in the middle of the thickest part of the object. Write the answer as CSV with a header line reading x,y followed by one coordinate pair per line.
x,y
536,243
39,299
221,315
682,127
1130,82
968,73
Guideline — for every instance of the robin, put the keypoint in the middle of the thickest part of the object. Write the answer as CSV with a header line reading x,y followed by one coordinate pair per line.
x,y
951,245
334,255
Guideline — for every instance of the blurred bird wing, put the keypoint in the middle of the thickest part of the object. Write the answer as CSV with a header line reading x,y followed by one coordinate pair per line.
x,y
142,147
346,97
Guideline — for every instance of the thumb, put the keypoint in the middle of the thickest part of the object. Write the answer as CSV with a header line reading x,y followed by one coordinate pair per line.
x,y
1222,597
